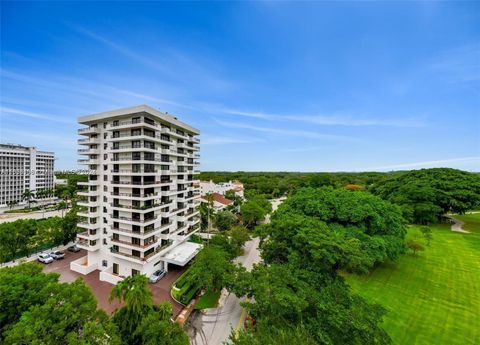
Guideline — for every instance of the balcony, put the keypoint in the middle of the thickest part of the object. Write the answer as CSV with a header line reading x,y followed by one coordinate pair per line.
x,y
88,130
89,245
88,141
144,233
135,220
143,246
134,195
146,258
88,161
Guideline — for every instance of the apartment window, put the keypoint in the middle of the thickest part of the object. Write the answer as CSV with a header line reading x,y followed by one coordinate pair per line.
x,y
134,272
136,253
115,268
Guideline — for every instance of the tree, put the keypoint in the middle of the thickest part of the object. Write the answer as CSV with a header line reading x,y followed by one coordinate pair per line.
x,y
414,246
339,228
67,316
252,213
427,234
62,205
69,226
11,204
140,321
224,220
133,291
211,268
28,196
158,329
238,235
426,194
22,287
317,305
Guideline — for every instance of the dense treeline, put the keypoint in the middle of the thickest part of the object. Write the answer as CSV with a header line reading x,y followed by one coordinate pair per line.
x,y
297,290
425,195
36,308
24,237
69,191
275,184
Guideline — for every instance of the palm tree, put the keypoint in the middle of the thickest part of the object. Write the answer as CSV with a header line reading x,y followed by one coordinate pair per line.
x,y
11,204
209,198
28,195
134,292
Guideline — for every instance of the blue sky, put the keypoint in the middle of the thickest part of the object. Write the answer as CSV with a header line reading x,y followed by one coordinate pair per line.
x,y
305,86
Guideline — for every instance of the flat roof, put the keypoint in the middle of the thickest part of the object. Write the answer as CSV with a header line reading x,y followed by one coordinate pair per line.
x,y
183,253
133,110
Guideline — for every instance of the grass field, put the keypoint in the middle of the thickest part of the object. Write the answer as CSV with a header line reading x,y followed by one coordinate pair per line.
x,y
208,300
433,297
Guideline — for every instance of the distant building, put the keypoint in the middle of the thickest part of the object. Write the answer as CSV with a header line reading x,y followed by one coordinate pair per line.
x,y
60,181
207,187
218,200
23,168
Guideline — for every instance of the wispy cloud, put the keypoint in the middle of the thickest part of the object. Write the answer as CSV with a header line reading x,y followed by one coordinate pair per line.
x,y
425,164
219,140
307,148
285,132
331,120
461,64
4,111
171,62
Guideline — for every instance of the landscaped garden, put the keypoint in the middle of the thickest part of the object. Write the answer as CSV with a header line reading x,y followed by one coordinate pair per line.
x,y
431,297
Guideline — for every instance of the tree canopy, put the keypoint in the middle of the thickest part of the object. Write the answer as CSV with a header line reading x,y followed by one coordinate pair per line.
x,y
335,228
36,309
297,290
426,194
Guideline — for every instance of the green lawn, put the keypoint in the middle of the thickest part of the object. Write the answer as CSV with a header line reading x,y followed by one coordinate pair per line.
x,y
208,300
434,297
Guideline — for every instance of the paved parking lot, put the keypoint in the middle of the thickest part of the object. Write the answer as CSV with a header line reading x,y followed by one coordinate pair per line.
x,y
101,290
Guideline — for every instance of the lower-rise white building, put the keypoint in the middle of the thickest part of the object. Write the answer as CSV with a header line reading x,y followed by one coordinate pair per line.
x,y
209,187
139,205
22,168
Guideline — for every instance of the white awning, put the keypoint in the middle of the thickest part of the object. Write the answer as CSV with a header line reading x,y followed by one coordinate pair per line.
x,y
183,253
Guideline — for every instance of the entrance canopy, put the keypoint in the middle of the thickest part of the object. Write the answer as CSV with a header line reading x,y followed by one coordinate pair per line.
x,y
183,253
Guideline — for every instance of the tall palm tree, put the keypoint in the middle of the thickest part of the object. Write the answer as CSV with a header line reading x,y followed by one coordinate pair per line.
x,y
209,198
134,292
28,195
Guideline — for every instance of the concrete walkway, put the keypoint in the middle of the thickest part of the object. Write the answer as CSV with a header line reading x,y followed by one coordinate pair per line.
x,y
457,225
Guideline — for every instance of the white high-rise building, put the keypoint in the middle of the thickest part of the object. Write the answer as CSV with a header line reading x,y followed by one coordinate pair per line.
x,y
139,205
23,168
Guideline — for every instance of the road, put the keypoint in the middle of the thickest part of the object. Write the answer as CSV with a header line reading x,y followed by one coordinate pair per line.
x,y
11,217
214,326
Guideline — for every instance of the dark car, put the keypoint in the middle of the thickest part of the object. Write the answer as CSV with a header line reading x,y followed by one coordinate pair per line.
x,y
74,248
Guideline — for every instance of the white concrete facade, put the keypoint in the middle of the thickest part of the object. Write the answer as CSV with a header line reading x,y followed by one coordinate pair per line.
x,y
139,202
23,168
208,187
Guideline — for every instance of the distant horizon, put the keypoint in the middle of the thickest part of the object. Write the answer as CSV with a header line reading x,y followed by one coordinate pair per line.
x,y
272,86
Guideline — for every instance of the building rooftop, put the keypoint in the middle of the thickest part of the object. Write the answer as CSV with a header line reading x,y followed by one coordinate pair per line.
x,y
135,110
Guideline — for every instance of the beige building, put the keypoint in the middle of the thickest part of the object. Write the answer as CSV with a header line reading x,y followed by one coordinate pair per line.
x,y
139,204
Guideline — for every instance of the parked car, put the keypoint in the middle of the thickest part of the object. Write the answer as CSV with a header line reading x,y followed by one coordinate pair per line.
x,y
45,258
74,248
157,275
57,255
